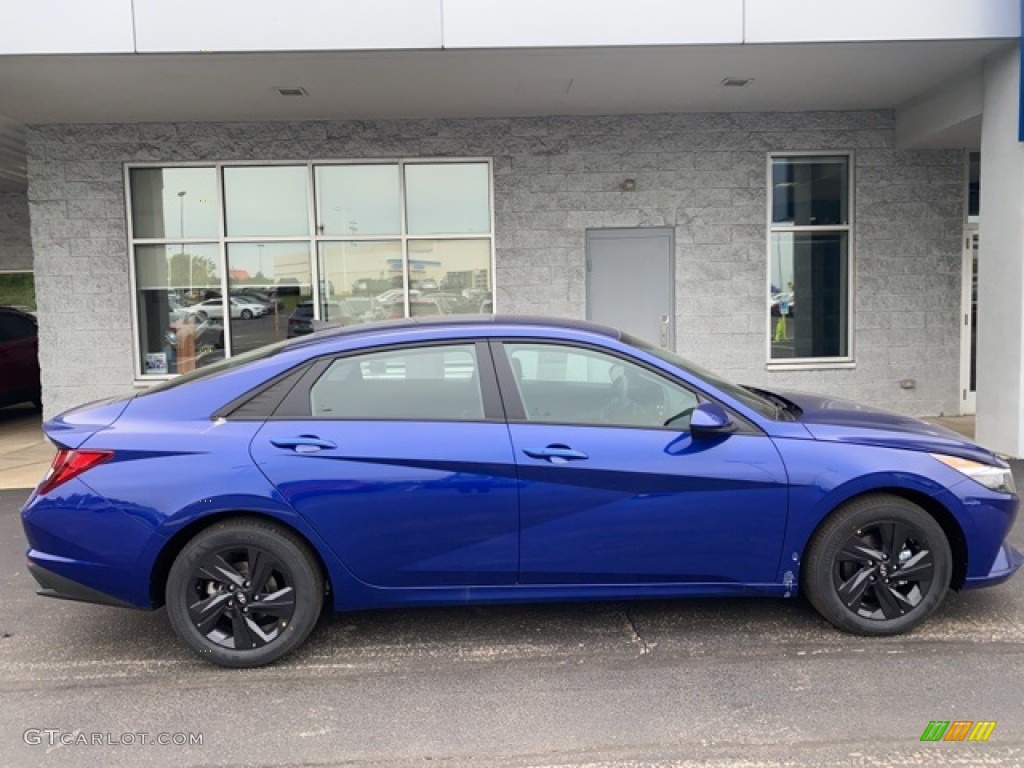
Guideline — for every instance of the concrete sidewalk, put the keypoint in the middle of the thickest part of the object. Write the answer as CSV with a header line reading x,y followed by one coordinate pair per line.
x,y
24,453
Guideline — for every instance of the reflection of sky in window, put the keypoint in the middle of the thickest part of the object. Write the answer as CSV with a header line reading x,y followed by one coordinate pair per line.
x,y
447,198
266,201
782,260
358,200
197,208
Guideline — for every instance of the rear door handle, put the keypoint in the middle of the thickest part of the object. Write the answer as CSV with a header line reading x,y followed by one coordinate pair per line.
x,y
556,454
303,443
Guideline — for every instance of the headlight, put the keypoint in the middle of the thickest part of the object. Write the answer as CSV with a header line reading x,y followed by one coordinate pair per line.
x,y
999,479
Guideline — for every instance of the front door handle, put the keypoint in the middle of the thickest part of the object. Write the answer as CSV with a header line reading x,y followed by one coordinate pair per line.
x,y
556,453
303,443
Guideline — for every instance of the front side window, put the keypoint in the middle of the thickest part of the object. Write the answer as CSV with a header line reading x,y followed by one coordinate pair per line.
x,y
425,383
575,385
809,259
273,249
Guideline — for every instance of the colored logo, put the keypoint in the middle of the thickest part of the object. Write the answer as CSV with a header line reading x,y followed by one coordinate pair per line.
x,y
958,730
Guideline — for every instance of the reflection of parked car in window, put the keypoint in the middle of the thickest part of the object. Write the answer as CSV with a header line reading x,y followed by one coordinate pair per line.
x,y
362,308
252,295
208,332
19,361
336,313
240,308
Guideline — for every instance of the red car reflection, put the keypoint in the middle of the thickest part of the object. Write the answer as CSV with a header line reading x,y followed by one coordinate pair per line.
x,y
19,358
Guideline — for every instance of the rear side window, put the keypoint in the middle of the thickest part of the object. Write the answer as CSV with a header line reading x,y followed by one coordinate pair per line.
x,y
429,383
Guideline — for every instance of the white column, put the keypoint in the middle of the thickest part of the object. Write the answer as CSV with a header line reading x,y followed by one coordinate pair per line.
x,y
1000,420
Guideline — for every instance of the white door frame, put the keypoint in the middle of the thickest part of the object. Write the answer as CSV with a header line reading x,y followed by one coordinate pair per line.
x,y
968,397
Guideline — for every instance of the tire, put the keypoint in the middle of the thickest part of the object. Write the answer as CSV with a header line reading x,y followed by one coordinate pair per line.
x,y
213,607
247,314
202,316
848,574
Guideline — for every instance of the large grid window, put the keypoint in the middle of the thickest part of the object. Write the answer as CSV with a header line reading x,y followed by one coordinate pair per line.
x,y
228,257
809,259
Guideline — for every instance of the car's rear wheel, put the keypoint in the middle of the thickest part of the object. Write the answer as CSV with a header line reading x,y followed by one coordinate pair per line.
x,y
244,593
879,565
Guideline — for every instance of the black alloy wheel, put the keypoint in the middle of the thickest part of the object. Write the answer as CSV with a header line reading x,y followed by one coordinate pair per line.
x,y
884,570
244,593
241,598
879,565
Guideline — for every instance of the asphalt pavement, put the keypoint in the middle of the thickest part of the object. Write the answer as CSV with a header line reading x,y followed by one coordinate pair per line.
x,y
744,682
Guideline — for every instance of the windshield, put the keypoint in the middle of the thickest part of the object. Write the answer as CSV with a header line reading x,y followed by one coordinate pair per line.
x,y
753,401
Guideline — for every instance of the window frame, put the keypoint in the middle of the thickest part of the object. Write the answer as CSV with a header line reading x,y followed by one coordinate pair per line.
x,y
312,240
812,363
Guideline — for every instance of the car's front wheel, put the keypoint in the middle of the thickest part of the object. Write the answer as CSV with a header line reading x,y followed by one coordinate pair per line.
x,y
879,565
244,593
247,314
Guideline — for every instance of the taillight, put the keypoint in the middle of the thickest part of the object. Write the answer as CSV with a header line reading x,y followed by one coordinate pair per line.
x,y
68,464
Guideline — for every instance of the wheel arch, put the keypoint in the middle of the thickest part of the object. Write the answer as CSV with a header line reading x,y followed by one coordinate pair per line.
x,y
170,550
942,515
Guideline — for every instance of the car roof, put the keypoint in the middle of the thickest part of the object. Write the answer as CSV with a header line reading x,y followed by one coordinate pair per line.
x,y
456,323
15,311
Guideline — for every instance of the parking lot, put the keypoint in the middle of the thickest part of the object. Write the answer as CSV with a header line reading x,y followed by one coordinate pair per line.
x,y
742,682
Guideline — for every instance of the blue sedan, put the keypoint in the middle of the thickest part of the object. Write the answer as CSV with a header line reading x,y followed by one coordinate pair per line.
x,y
496,460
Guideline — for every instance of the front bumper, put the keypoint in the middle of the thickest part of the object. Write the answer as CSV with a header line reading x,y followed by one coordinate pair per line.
x,y
54,585
1008,561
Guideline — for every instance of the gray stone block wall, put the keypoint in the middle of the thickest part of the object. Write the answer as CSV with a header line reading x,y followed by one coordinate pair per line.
x,y
555,177
15,234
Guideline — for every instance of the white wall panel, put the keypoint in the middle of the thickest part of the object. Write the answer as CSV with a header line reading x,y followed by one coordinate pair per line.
x,y
65,26
286,25
543,23
798,21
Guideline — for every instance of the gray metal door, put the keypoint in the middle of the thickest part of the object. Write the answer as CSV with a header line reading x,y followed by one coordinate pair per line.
x,y
630,282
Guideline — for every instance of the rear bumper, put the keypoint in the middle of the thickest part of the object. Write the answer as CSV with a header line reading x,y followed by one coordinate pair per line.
x,y
54,585
1007,562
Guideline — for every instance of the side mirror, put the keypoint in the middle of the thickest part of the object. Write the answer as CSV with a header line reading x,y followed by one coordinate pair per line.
x,y
710,419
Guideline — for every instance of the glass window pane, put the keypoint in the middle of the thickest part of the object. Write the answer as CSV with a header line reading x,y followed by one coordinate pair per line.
x,y
266,201
570,385
450,277
174,202
362,282
448,198
809,297
18,290
356,200
810,191
974,185
180,311
439,382
267,283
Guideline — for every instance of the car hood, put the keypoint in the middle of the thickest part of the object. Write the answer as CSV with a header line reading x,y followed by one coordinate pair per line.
x,y
837,420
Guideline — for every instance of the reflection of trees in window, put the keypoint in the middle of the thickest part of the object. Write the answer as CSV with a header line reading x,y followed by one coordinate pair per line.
x,y
188,269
